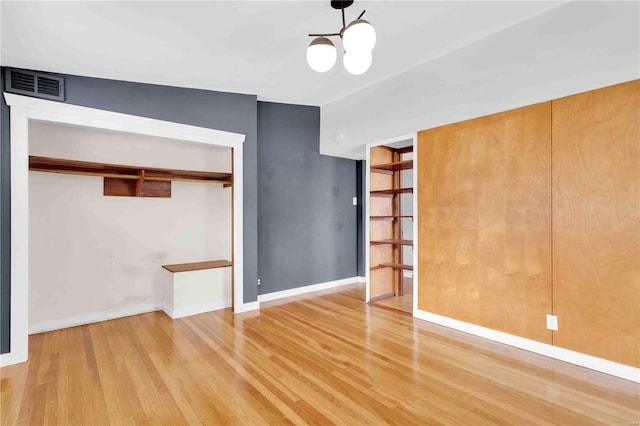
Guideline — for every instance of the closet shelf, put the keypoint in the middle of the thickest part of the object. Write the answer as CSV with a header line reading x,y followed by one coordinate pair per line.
x,y
395,242
392,217
391,192
197,266
74,167
392,167
392,265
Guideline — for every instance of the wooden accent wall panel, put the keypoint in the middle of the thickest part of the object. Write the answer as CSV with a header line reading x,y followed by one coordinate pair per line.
x,y
596,225
484,208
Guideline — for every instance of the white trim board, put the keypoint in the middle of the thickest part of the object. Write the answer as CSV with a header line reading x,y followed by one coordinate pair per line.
x,y
75,321
246,307
307,289
416,220
57,112
367,197
23,109
577,358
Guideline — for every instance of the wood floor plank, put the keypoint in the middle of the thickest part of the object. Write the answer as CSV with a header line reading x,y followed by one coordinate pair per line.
x,y
323,358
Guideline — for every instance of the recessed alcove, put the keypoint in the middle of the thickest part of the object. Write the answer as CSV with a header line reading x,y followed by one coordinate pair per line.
x,y
94,256
25,110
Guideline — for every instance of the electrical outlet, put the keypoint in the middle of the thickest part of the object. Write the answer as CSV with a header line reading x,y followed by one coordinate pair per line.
x,y
258,281
552,322
355,201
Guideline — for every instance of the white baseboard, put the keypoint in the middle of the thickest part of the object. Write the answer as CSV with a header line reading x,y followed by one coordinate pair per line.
x,y
11,358
246,307
362,279
197,309
306,289
74,321
577,358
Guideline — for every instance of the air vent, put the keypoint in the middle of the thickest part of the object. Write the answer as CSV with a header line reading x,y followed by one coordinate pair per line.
x,y
35,84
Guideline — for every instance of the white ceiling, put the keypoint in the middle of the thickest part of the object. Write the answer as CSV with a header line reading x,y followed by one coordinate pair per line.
x,y
434,61
243,47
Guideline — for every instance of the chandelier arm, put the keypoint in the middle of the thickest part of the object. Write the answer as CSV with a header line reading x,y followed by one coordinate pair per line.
x,y
321,53
324,35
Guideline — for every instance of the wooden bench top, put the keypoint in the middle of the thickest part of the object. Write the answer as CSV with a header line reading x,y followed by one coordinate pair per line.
x,y
197,266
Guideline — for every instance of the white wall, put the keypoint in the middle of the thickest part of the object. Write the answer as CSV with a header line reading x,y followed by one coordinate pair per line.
x,y
90,254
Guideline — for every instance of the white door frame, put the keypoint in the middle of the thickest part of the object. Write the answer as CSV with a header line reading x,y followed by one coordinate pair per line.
x,y
367,265
25,108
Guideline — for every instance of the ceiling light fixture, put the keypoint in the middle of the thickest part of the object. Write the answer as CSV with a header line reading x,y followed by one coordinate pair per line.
x,y
358,41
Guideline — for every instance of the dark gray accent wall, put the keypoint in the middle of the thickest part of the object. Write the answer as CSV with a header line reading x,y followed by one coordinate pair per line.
x,y
5,225
360,180
307,226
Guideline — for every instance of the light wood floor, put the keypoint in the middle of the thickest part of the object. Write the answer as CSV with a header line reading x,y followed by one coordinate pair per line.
x,y
402,304
320,359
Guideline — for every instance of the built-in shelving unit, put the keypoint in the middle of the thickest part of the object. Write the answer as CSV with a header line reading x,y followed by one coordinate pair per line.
x,y
386,241
132,181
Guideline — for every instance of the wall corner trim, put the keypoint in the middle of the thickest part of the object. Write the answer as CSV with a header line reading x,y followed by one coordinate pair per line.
x,y
11,358
306,289
576,358
246,307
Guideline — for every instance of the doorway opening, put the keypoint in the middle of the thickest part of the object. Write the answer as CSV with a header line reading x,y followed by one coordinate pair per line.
x,y
391,226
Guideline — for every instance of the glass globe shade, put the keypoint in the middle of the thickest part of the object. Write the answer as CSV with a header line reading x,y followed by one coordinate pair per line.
x,y
359,36
321,54
357,63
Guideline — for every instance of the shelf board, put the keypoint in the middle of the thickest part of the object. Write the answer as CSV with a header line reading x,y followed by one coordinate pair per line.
x,y
393,217
404,150
397,266
184,179
197,266
395,242
86,168
391,192
392,167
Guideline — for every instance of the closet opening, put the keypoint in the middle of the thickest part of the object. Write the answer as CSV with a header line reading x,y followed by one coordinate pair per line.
x,y
26,110
110,212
